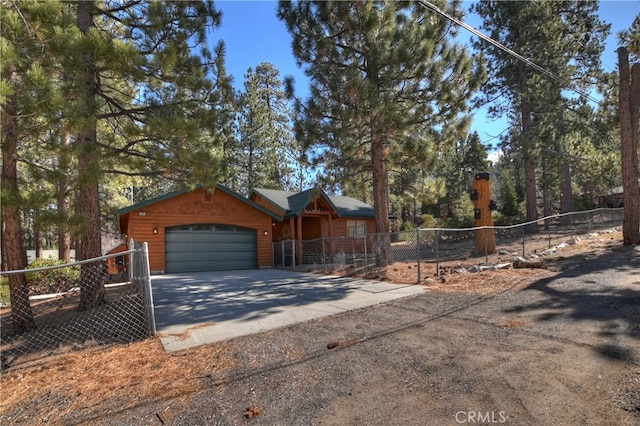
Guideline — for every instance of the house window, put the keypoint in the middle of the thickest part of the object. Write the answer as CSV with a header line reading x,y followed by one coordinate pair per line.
x,y
356,228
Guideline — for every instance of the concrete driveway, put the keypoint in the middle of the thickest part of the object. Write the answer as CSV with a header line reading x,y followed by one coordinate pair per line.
x,y
199,308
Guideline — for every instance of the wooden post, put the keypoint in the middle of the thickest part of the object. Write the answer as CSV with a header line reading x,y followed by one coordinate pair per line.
x,y
299,238
485,238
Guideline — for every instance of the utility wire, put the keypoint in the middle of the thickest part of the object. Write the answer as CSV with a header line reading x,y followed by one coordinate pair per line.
x,y
516,55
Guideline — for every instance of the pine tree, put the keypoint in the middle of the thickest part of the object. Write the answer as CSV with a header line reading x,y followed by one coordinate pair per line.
x,y
264,133
457,165
631,39
386,79
28,99
121,89
141,72
565,38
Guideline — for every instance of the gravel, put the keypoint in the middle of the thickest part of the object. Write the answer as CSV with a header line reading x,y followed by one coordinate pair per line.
x,y
564,349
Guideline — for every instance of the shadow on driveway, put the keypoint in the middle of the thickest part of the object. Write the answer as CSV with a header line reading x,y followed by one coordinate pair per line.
x,y
205,307
601,289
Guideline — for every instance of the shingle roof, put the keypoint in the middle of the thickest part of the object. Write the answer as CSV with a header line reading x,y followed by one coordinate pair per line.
x,y
279,198
293,203
350,207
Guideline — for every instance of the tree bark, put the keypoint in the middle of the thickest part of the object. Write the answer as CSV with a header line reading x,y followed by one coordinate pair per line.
x,y
566,191
629,110
13,253
64,236
92,291
530,189
546,200
381,200
38,246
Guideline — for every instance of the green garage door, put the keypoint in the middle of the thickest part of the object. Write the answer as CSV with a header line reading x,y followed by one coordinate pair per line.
x,y
195,248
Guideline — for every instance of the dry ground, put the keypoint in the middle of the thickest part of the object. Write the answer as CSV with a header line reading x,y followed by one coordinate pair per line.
x,y
527,346
484,283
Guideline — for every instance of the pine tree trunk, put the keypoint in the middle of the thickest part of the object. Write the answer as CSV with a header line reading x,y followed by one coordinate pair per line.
x,y
381,201
64,236
629,104
566,192
92,291
13,252
546,201
37,238
530,189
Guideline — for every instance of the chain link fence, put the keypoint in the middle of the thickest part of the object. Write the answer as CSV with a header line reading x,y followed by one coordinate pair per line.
x,y
70,307
424,249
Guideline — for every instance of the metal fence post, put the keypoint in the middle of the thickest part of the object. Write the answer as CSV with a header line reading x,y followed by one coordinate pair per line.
x,y
132,246
324,257
523,228
366,260
293,254
418,247
146,282
486,245
437,255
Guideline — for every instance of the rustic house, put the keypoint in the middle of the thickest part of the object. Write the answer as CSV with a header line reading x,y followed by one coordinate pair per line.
x,y
313,214
202,230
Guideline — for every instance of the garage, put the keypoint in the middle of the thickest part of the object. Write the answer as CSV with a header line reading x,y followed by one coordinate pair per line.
x,y
197,230
210,247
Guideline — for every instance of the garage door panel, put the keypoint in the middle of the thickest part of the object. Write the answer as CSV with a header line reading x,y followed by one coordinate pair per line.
x,y
199,247
207,256
210,248
175,267
196,247
188,237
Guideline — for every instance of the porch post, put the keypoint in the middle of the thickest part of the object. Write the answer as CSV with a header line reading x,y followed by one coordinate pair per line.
x,y
330,235
299,238
292,227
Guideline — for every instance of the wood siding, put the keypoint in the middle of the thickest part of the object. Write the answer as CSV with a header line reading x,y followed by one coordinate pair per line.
x,y
193,208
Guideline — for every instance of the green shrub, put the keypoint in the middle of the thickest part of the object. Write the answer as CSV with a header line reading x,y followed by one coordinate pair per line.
x,y
54,280
501,220
428,221
407,226
462,213
5,300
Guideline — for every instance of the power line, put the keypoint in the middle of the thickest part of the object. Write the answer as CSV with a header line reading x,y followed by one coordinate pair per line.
x,y
516,55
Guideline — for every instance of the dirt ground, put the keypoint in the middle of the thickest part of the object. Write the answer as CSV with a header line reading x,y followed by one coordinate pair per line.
x,y
516,346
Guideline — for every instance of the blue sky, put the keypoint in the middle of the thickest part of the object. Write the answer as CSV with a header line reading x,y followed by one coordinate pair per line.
x,y
253,35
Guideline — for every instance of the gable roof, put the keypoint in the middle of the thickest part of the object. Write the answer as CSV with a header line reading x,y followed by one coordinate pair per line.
x,y
185,191
350,207
294,203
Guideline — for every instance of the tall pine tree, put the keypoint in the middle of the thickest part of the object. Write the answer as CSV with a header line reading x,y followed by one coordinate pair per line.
x,y
29,102
142,70
386,79
564,37
264,132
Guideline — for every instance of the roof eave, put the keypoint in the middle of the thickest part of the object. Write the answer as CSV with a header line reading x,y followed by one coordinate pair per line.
x,y
223,188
